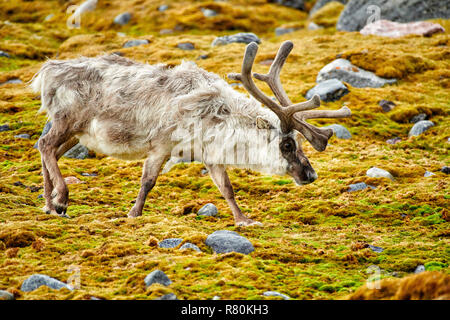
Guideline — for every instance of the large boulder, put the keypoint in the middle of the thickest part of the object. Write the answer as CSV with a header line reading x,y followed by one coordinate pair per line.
x,y
328,90
386,28
242,37
345,71
420,127
358,13
37,280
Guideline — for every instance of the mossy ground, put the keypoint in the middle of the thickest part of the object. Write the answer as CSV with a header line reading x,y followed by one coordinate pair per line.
x,y
313,244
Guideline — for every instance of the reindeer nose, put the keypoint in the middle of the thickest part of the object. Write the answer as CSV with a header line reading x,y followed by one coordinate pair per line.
x,y
312,176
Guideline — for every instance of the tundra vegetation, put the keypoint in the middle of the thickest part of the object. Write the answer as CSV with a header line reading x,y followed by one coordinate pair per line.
x,y
317,241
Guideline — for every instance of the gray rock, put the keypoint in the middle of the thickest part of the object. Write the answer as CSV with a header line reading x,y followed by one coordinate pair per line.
x,y
169,296
5,295
23,136
340,131
12,81
328,90
37,280
165,31
157,276
123,18
204,171
359,186
216,298
420,268
280,31
445,169
4,54
345,71
224,241
375,172
296,4
320,3
376,249
170,243
47,127
209,13
163,7
77,152
386,105
189,245
208,209
314,26
418,117
242,37
358,13
393,140
186,46
86,174
49,17
428,174
4,127
420,127
276,294
135,42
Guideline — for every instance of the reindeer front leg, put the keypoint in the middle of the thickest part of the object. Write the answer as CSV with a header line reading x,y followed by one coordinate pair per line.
x,y
150,173
52,146
220,177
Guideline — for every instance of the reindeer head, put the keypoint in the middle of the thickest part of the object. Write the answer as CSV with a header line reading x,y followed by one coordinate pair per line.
x,y
292,116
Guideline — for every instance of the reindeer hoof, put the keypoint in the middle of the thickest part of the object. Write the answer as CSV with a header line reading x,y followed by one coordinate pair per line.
x,y
248,223
134,213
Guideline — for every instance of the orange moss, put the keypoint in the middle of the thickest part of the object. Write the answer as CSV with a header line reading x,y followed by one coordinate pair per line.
x,y
423,286
17,238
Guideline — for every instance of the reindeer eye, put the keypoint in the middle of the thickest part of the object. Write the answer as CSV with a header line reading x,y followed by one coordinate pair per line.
x,y
287,145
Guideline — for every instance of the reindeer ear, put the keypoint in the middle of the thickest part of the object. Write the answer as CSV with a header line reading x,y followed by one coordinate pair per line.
x,y
262,123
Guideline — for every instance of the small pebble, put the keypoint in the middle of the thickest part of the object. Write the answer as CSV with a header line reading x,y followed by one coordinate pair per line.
x,y
276,294
420,268
163,7
376,249
209,13
157,276
189,245
386,105
23,136
393,140
4,54
186,46
208,209
4,127
428,174
170,243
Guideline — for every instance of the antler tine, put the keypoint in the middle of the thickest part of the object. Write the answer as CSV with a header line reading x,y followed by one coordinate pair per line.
x,y
273,80
246,78
343,112
273,77
292,116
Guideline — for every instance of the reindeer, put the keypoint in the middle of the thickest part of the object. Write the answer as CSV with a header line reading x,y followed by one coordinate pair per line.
x,y
131,111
